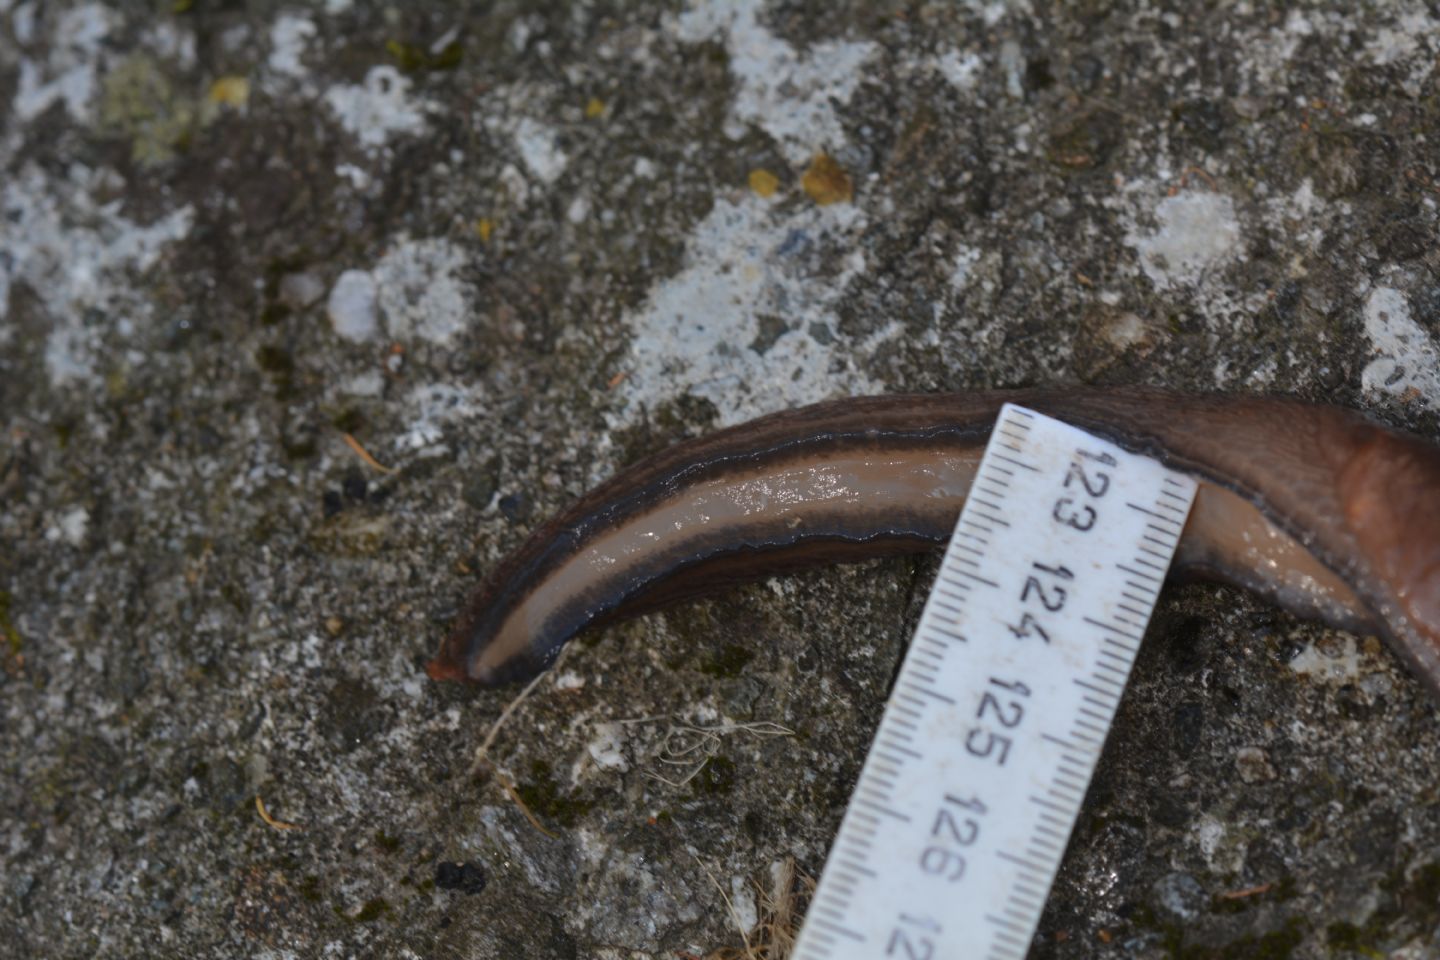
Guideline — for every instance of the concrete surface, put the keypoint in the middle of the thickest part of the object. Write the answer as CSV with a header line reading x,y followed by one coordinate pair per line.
x,y
510,247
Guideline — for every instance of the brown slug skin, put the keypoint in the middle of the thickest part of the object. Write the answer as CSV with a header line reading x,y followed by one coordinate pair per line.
x,y
1318,509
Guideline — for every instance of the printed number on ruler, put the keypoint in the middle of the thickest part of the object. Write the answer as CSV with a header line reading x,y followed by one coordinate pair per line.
x,y
972,785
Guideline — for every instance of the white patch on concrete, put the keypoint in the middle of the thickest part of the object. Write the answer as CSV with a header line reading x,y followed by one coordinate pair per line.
x,y
371,383
539,146
790,96
1402,39
1336,666
289,36
421,292
607,747
379,108
1296,23
513,182
569,680
429,408
173,43
22,25
359,178
1267,54
1012,65
71,70
960,69
742,905
1413,39
1223,853
1195,232
353,308
579,210
69,527
694,334
75,256
965,261
1407,360
1125,330
301,289
992,11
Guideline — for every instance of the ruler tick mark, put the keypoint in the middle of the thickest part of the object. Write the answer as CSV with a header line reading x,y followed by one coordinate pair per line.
x,y
1113,656
1128,648
1098,691
1019,463
977,578
882,808
936,694
1137,573
836,928
906,751
1151,513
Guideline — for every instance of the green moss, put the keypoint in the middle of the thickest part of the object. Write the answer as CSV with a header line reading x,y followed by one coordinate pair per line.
x,y
1352,939
1274,945
273,313
275,361
1416,900
350,534
371,910
717,778
413,58
138,102
310,889
1084,142
279,366
64,432
236,596
729,661
1277,944
13,642
545,799
386,842
349,420
1425,888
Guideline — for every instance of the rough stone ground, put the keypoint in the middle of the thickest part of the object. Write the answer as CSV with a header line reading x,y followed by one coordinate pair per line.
x,y
557,255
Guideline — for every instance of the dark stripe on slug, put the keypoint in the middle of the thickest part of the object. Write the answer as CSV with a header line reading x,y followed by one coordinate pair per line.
x,y
1288,493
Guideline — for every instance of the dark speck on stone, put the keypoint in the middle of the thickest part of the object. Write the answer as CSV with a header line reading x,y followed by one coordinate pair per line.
x,y
514,506
332,502
467,878
795,242
353,485
771,328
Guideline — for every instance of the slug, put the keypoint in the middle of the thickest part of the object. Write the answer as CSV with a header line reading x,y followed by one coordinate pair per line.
x,y
1320,510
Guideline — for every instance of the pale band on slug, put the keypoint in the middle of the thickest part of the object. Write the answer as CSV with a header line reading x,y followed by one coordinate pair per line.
x,y
1318,509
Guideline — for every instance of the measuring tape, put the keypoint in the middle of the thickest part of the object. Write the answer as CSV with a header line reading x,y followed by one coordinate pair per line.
x,y
977,772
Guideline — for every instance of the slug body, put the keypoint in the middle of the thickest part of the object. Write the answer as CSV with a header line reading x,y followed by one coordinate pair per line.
x,y
1318,509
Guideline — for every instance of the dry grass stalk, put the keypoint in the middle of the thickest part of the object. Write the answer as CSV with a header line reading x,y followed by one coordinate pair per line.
x,y
781,912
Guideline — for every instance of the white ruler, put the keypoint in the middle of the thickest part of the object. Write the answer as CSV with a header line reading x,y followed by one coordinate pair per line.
x,y
967,799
